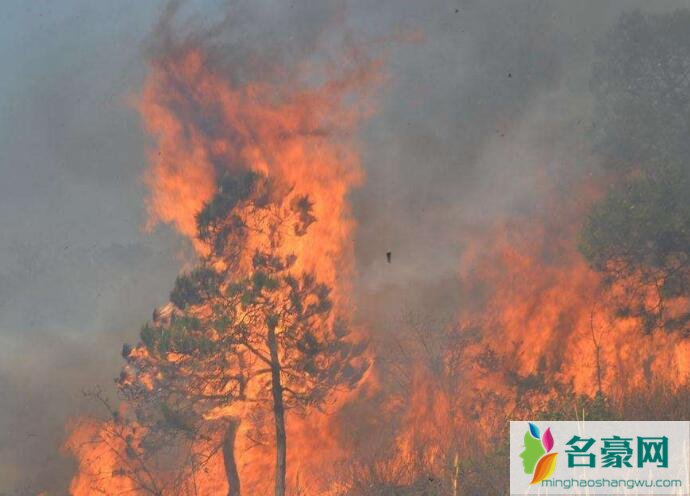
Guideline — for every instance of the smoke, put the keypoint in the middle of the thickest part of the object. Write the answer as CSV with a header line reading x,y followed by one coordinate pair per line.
x,y
457,145
482,121
479,117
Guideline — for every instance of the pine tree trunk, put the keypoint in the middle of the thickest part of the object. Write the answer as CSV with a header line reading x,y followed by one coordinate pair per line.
x,y
278,414
231,473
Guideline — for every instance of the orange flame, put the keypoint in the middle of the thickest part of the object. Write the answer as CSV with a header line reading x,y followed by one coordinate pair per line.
x,y
300,136
545,315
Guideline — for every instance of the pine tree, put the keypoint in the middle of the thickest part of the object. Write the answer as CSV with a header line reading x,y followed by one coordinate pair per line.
x,y
247,326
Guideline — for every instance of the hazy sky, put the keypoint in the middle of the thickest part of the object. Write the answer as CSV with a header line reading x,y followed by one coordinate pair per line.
x,y
76,271
495,88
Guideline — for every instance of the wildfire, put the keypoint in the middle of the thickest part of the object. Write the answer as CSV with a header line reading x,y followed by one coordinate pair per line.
x,y
537,319
546,315
299,135
536,323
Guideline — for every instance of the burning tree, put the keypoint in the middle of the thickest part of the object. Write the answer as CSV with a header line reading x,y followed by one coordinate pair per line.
x,y
248,327
145,447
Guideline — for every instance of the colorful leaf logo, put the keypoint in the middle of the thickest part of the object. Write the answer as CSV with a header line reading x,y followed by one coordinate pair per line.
x,y
537,458
545,467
